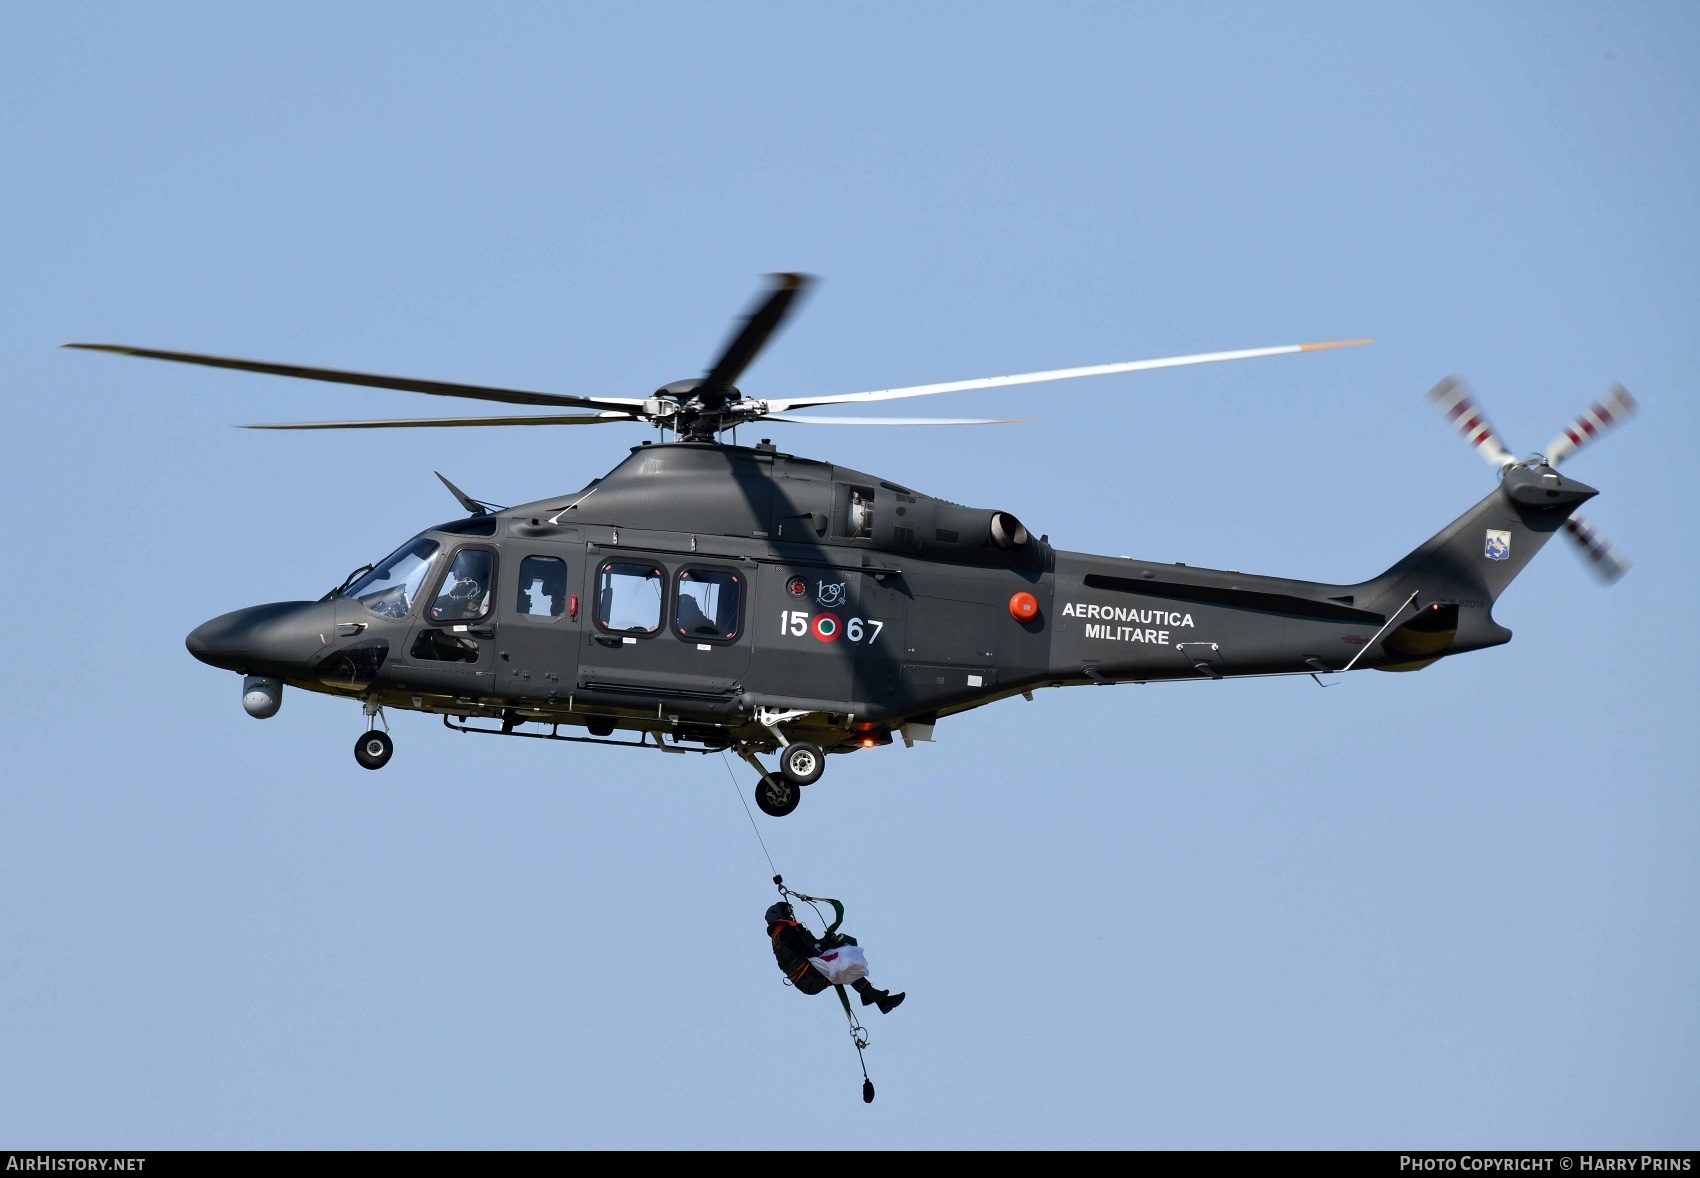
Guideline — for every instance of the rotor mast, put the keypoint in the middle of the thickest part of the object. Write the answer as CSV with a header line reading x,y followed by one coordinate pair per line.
x,y
711,405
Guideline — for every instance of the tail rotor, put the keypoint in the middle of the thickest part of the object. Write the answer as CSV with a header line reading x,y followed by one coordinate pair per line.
x,y
1460,407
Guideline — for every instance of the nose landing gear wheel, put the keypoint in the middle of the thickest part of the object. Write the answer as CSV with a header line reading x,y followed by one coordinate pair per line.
x,y
777,797
802,763
373,749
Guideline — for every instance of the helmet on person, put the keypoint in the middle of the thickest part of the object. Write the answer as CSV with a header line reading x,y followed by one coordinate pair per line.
x,y
780,911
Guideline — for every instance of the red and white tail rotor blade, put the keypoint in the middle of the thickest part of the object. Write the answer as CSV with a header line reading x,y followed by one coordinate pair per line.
x,y
1460,408
1594,421
1602,557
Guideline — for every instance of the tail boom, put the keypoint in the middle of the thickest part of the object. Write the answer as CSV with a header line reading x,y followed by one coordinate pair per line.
x,y
1116,620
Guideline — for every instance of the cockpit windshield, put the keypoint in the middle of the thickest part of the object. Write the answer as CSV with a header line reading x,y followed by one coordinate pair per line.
x,y
390,588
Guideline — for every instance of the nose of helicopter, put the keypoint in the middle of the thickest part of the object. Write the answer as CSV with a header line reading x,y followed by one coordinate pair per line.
x,y
264,637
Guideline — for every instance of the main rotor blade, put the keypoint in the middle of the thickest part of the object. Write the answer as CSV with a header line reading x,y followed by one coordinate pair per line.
x,y
406,384
741,350
993,382
1602,557
812,420
1594,421
1460,408
407,422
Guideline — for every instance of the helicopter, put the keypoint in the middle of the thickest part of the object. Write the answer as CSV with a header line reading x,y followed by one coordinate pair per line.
x,y
705,596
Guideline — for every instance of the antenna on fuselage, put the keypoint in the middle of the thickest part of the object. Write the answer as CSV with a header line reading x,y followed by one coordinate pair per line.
x,y
474,506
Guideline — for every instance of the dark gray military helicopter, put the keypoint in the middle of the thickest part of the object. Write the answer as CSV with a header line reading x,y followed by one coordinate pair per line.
x,y
705,596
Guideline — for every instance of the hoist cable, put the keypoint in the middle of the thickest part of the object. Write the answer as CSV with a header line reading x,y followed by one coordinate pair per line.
x,y
747,813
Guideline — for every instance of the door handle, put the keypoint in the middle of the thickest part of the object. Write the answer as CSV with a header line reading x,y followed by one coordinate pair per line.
x,y
349,629
482,631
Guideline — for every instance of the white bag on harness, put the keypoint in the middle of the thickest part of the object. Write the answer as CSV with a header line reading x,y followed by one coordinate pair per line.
x,y
842,965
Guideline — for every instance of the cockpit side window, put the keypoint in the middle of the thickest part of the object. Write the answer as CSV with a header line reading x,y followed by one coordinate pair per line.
x,y
708,604
542,587
389,589
628,597
465,592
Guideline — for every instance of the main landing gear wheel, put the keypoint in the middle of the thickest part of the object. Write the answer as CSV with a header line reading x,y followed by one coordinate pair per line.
x,y
373,749
802,763
777,797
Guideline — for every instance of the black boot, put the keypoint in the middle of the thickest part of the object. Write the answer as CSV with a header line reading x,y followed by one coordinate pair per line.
x,y
890,1002
866,989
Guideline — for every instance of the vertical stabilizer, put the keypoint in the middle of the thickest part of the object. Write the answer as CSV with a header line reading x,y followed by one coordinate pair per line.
x,y
1469,563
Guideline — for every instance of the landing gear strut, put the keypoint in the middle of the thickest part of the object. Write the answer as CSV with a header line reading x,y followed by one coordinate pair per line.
x,y
775,796
801,762
374,747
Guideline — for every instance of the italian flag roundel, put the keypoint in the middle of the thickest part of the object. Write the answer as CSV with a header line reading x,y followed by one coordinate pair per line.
x,y
825,627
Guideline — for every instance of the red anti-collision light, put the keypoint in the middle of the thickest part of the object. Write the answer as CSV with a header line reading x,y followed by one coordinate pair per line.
x,y
1024,607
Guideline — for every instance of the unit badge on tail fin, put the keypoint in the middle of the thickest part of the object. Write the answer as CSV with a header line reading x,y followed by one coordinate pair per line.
x,y
1498,545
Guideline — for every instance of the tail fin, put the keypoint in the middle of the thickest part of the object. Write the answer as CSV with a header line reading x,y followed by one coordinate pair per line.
x,y
1459,573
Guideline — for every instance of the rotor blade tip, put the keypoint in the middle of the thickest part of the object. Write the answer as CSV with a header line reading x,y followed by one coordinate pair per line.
x,y
1339,343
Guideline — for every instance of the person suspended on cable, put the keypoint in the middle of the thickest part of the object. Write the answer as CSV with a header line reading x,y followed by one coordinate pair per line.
x,y
813,964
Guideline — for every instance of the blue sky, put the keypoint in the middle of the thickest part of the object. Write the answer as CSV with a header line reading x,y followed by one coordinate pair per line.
x,y
1446,909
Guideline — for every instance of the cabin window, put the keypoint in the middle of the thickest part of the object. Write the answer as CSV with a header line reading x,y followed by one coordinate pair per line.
x,y
628,597
708,605
465,592
389,589
542,587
